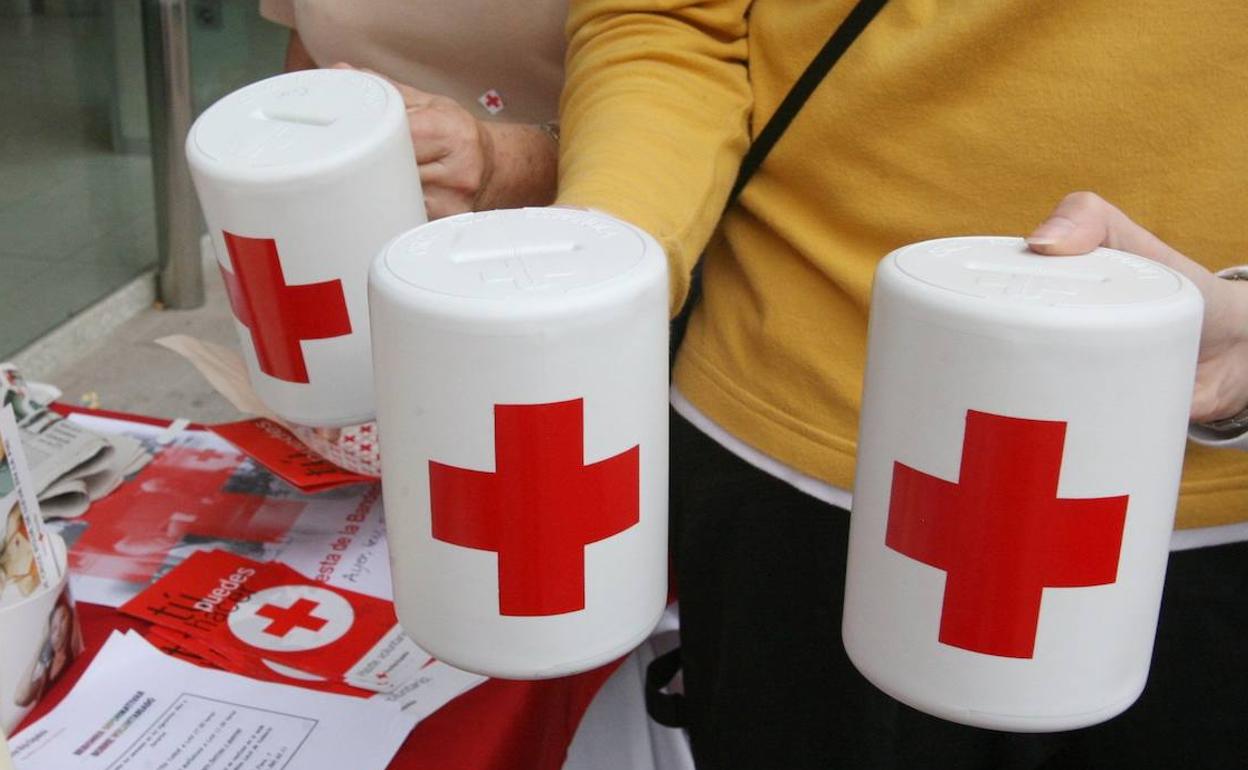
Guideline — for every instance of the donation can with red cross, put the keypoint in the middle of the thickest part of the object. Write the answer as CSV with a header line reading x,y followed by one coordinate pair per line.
x,y
521,366
302,178
1021,441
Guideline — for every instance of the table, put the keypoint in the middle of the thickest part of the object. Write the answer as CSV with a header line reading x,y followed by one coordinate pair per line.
x,y
499,725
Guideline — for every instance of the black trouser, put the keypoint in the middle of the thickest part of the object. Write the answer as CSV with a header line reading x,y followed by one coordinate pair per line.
x,y
760,570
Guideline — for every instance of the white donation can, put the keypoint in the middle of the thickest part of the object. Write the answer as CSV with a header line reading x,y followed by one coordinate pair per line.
x,y
302,178
1021,441
521,366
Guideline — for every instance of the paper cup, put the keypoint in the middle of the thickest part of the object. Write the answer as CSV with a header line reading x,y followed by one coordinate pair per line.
x,y
6,761
521,363
302,178
1022,435
39,636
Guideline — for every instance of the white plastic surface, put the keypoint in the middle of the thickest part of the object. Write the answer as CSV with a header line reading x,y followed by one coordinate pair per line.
x,y
451,347
296,122
321,164
1102,344
1004,270
531,255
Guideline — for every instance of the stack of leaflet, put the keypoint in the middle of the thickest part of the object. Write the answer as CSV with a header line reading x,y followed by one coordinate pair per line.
x,y
267,621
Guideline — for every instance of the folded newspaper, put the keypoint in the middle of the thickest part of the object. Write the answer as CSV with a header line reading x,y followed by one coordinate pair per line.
x,y
71,466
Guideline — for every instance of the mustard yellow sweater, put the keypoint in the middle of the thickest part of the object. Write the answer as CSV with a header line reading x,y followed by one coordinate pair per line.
x,y
945,118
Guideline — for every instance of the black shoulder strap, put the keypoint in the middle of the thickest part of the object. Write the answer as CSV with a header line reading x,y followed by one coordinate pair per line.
x,y
844,36
668,708
837,45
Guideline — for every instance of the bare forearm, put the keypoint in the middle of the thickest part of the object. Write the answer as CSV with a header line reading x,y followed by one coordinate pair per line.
x,y
468,164
522,169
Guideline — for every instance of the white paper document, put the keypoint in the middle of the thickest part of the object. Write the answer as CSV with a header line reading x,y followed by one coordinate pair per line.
x,y
136,708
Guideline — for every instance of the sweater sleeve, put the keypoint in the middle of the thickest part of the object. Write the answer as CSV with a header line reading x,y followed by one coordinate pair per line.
x,y
654,117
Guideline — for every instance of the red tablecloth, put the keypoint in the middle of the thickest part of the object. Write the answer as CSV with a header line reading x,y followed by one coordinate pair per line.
x,y
499,725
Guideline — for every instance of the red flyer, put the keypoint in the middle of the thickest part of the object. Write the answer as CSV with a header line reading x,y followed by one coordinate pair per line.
x,y
281,452
254,613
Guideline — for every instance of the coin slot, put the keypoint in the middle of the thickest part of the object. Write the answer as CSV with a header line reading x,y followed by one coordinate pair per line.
x,y
536,250
1038,271
298,115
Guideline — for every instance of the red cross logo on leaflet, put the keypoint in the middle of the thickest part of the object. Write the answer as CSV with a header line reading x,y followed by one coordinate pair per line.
x,y
280,315
1001,534
539,508
292,618
286,619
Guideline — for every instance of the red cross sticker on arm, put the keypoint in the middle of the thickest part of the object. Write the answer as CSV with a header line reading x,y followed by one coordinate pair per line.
x,y
280,315
539,508
1001,533
492,101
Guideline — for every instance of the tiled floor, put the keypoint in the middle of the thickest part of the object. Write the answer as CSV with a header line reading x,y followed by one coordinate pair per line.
x,y
127,372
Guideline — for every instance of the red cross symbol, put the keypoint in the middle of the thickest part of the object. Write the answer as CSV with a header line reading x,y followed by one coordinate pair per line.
x,y
278,315
286,619
539,508
1001,534
492,101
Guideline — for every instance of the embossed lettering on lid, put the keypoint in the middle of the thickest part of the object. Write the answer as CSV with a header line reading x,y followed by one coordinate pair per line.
x,y
291,119
1004,270
515,254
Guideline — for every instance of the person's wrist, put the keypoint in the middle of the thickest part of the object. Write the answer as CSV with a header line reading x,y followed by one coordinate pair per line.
x,y
551,129
1233,425
1234,285
489,144
520,166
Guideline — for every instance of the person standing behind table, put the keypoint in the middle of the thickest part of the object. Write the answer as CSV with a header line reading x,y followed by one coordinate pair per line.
x,y
480,79
941,119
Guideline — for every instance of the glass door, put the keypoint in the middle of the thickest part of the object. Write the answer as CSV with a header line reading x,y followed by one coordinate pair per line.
x,y
77,213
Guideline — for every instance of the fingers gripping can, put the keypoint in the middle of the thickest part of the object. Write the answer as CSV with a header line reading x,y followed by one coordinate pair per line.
x,y
302,178
521,368
1020,447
